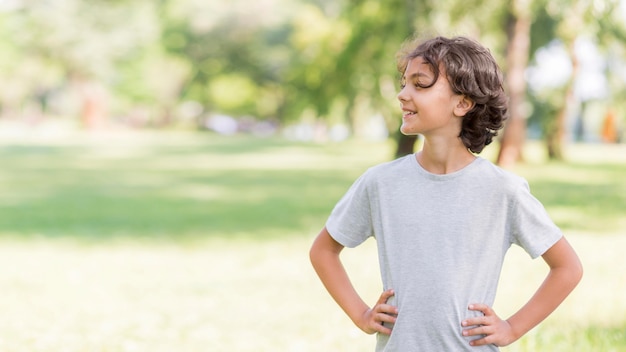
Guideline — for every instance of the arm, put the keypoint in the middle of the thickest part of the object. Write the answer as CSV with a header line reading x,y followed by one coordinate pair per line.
x,y
565,273
324,256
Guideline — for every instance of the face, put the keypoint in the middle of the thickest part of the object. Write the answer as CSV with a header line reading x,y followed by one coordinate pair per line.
x,y
428,110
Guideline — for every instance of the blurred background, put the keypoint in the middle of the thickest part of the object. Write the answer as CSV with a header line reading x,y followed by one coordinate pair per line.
x,y
310,69
166,164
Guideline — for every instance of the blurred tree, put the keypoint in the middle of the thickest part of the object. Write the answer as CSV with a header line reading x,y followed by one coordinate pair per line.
x,y
21,73
611,36
569,22
517,53
71,41
149,84
98,51
349,64
238,51
318,40
283,59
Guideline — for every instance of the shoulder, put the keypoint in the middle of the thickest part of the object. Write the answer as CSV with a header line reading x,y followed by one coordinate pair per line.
x,y
403,162
393,168
501,178
378,175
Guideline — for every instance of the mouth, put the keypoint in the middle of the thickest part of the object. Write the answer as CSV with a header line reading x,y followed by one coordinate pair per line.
x,y
407,113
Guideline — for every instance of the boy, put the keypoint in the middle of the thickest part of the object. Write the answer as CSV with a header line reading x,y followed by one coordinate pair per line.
x,y
444,218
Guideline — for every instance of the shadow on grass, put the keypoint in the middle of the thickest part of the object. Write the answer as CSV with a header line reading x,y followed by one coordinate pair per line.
x,y
255,204
186,189
160,187
583,197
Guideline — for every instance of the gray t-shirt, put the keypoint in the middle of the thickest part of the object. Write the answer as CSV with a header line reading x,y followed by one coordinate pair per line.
x,y
441,242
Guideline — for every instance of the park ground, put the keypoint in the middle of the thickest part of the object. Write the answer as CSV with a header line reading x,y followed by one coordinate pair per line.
x,y
195,242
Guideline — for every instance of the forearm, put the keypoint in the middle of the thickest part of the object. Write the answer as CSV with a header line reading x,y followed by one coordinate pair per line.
x,y
561,280
332,273
556,287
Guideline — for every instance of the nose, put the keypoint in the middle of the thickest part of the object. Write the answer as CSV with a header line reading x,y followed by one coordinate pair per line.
x,y
402,95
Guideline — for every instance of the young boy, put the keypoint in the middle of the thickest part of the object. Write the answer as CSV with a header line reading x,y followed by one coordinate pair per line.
x,y
444,218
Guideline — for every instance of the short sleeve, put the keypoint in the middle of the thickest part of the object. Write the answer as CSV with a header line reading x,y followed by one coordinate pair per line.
x,y
532,229
350,222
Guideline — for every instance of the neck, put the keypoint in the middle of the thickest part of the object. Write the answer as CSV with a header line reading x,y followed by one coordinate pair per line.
x,y
444,158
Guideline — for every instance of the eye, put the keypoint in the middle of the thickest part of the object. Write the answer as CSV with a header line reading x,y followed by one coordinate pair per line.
x,y
424,82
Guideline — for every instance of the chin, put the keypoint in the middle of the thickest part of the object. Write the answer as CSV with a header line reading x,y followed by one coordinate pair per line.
x,y
408,131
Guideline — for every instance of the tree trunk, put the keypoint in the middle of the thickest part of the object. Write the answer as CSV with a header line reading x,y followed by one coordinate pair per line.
x,y
514,133
555,152
406,144
554,142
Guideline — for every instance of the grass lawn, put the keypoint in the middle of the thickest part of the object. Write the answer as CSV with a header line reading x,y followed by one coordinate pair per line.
x,y
194,242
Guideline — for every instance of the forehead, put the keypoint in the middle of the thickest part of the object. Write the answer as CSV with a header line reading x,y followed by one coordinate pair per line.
x,y
418,66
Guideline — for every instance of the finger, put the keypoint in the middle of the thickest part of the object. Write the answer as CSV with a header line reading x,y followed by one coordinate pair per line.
x,y
474,321
481,330
485,309
378,323
480,342
385,296
383,330
385,318
386,308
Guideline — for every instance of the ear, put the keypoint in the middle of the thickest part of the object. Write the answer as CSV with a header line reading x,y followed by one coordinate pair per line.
x,y
464,105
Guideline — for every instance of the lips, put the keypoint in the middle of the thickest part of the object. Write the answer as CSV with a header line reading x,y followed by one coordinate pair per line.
x,y
407,113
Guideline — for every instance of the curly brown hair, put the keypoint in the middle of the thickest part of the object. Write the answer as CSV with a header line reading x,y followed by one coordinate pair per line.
x,y
472,71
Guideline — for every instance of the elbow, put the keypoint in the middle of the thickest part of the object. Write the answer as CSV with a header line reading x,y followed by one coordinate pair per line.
x,y
313,255
568,263
318,258
577,272
573,274
316,254
324,248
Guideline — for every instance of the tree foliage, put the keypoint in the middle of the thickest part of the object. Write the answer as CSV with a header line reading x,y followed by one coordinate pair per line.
x,y
332,61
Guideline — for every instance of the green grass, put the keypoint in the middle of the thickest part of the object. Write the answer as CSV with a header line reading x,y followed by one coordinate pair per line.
x,y
180,187
195,242
580,195
199,186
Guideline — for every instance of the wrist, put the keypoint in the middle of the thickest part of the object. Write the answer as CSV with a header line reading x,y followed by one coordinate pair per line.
x,y
361,321
515,331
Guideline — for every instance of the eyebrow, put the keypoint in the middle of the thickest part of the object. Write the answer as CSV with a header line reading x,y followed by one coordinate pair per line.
x,y
415,75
